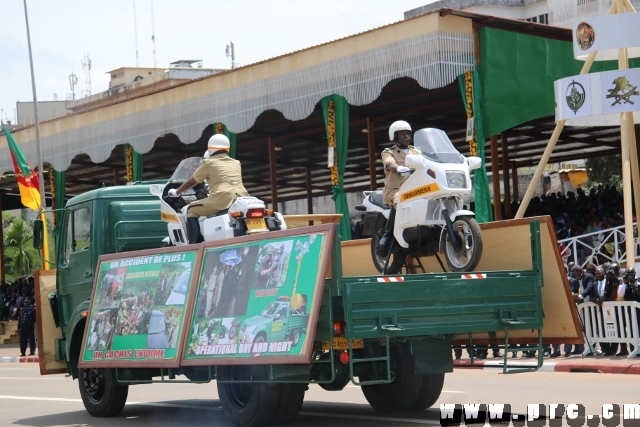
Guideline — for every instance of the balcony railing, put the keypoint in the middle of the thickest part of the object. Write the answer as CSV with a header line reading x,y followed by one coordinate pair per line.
x,y
598,247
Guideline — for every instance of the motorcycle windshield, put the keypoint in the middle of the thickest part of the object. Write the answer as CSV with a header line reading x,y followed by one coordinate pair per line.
x,y
436,146
185,169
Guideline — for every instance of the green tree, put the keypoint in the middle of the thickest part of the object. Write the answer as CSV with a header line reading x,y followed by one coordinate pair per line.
x,y
18,247
604,170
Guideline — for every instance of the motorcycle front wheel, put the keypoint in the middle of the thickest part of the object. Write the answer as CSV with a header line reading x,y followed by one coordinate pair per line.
x,y
397,255
467,257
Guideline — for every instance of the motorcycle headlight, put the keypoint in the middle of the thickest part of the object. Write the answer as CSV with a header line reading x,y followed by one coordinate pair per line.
x,y
456,180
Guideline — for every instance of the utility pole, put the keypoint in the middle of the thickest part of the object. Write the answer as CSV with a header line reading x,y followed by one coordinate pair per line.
x,y
231,53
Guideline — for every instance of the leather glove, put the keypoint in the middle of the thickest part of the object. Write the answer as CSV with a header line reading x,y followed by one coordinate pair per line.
x,y
403,171
173,193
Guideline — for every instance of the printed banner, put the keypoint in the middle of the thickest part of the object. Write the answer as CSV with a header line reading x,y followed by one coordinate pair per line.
x,y
605,35
259,300
574,96
597,99
138,310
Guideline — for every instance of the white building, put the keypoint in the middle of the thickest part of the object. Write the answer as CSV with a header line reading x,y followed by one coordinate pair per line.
x,y
559,13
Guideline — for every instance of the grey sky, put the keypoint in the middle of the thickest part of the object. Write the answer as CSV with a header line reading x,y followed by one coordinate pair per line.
x,y
64,31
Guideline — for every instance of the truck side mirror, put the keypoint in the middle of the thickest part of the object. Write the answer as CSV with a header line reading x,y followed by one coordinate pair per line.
x,y
37,233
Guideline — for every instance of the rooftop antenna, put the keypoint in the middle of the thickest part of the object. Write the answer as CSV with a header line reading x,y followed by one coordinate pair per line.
x,y
231,53
153,35
135,30
73,81
86,64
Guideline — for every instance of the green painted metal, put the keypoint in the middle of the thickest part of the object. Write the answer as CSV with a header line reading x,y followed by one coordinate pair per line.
x,y
435,304
517,72
122,218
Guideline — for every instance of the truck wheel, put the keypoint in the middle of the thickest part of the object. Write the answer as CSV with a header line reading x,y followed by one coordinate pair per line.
x,y
247,404
259,339
295,336
290,403
429,391
402,393
101,395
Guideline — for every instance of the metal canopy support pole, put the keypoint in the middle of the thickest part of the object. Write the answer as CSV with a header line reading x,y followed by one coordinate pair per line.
x,y
506,177
309,191
2,267
633,156
514,179
272,174
371,142
550,146
495,171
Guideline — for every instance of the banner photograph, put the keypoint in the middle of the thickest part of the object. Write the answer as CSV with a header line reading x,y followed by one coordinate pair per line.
x,y
138,309
259,300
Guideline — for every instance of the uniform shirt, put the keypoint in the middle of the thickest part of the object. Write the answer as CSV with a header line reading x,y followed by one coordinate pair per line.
x,y
224,177
27,317
393,181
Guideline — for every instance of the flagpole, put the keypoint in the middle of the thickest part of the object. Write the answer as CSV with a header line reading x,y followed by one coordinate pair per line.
x,y
43,206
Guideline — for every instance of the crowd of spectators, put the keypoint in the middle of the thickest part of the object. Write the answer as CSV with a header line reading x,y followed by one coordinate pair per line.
x,y
13,295
581,212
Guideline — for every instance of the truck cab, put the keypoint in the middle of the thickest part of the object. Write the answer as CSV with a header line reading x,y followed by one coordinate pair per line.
x,y
102,221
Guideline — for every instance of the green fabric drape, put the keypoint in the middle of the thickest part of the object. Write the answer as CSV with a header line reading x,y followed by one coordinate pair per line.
x,y
517,72
136,164
59,182
482,209
341,117
226,132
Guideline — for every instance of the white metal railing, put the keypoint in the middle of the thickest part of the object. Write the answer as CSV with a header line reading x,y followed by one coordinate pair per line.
x,y
613,322
597,247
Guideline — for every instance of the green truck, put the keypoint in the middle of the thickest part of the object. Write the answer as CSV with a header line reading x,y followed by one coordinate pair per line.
x,y
393,339
277,322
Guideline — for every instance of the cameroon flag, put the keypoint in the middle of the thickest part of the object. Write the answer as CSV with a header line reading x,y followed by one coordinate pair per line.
x,y
27,178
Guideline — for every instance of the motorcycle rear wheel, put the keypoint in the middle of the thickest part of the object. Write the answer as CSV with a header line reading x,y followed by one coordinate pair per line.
x,y
468,257
397,255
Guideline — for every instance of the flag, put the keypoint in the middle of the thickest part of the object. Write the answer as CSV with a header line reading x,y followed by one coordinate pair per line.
x,y
27,178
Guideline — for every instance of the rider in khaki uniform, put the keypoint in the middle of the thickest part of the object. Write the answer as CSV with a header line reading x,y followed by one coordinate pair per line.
x,y
224,176
395,172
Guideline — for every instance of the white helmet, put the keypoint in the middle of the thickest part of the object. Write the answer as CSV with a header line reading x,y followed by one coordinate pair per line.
x,y
396,126
218,142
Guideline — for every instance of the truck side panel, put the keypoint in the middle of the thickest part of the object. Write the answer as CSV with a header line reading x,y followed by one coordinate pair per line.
x,y
424,305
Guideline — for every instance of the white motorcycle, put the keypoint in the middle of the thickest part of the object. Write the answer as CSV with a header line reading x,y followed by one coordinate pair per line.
x,y
430,215
247,215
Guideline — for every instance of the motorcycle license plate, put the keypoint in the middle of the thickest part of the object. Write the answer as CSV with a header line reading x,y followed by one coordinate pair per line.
x,y
340,343
255,224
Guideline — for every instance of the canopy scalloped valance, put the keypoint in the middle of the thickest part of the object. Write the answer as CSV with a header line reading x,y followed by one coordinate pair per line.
x,y
433,59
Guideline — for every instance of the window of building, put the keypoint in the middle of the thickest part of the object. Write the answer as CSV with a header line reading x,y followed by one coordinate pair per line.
x,y
543,19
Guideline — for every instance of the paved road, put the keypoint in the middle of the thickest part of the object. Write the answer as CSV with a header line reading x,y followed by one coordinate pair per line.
x,y
28,399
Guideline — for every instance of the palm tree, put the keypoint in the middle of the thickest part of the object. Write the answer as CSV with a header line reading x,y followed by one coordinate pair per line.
x,y
16,241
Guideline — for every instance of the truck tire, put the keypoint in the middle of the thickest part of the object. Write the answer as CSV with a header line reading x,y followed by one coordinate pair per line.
x,y
429,391
247,404
101,395
257,340
402,393
295,336
289,404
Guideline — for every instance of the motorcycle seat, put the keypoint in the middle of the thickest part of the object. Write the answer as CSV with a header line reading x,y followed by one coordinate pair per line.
x,y
376,199
222,212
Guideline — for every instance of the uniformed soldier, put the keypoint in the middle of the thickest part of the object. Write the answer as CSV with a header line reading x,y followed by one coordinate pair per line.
x,y
26,326
395,172
224,176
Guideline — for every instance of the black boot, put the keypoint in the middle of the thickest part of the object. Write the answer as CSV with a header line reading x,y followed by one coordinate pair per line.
x,y
383,247
193,230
